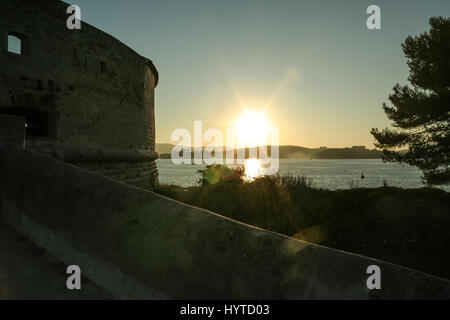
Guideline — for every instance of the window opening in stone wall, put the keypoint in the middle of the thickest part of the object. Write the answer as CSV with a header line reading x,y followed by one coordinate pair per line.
x,y
14,44
103,66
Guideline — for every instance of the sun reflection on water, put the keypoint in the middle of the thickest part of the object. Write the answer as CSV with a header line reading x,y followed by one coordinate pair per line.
x,y
253,169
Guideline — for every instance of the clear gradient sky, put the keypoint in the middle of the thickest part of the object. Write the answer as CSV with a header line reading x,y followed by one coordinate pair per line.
x,y
331,72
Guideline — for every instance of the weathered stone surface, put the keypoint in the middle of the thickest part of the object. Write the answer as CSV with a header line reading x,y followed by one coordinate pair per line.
x,y
12,131
137,244
76,88
140,174
29,272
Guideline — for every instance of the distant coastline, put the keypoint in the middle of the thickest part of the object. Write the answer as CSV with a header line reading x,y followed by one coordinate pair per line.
x,y
297,152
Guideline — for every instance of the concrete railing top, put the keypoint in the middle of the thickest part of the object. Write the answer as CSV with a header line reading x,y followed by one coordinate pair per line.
x,y
138,244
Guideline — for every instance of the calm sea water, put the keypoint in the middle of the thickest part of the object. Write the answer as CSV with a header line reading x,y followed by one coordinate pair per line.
x,y
328,174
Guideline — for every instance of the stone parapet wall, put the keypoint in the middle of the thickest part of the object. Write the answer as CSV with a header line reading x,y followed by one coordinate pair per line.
x,y
137,244
133,167
142,174
12,131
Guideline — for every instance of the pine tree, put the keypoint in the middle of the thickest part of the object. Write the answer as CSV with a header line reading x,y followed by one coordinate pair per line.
x,y
421,112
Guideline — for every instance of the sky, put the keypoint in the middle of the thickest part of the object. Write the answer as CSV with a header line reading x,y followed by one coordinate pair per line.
x,y
315,68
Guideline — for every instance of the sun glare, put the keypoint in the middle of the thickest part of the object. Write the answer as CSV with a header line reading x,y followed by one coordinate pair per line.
x,y
252,129
252,169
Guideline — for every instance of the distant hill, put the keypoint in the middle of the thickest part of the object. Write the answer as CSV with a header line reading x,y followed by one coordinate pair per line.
x,y
162,148
356,152
296,152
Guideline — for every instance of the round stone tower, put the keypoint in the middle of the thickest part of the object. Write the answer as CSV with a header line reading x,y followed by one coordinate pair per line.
x,y
87,98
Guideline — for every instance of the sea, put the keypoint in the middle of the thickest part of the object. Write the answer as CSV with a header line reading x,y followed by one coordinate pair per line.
x,y
330,174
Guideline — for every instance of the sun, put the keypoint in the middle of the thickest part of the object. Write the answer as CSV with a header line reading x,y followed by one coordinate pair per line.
x,y
252,129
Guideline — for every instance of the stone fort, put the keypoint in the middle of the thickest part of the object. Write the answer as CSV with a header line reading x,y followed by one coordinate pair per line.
x,y
86,98
77,165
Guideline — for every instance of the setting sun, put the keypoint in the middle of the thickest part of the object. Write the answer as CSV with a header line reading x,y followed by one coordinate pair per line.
x,y
252,129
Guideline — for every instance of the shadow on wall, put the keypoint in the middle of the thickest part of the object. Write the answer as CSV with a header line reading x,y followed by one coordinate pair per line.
x,y
137,244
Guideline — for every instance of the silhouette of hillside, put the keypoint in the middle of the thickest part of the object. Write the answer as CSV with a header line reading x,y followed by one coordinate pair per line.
x,y
297,152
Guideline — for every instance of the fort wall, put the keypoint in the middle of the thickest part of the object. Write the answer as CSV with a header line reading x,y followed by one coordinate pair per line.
x,y
79,89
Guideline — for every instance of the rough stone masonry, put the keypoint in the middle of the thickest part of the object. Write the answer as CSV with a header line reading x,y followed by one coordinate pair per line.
x,y
86,98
